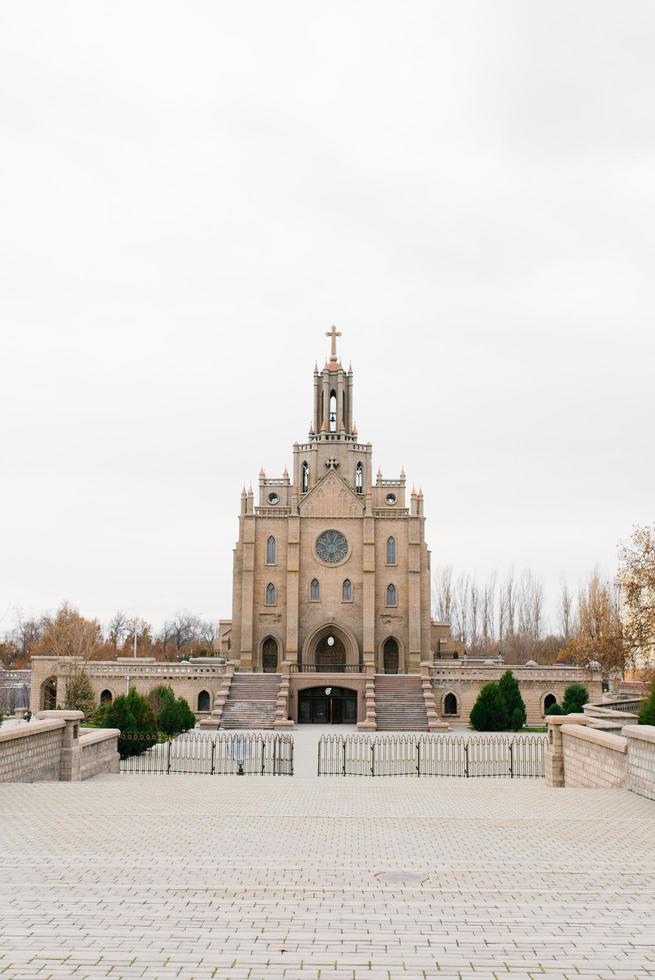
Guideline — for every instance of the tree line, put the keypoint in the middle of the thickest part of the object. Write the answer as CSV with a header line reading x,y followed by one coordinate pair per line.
x,y
67,633
609,620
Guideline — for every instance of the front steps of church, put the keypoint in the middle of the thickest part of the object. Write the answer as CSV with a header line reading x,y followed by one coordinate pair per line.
x,y
399,703
252,701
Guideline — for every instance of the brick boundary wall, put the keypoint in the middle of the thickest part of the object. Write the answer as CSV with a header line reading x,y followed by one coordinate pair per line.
x,y
50,747
31,753
99,752
580,755
641,759
594,758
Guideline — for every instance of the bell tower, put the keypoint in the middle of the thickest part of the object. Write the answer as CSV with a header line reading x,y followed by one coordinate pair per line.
x,y
333,441
333,397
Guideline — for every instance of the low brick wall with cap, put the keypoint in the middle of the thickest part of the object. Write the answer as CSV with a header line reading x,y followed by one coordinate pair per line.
x,y
99,752
641,759
31,752
580,755
50,747
594,758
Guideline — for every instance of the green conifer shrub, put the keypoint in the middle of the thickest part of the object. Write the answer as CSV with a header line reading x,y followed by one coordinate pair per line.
x,y
79,693
514,703
647,712
555,709
174,715
132,714
489,713
575,698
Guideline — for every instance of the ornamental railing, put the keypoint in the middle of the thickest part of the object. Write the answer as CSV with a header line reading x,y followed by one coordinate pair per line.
x,y
327,667
490,756
204,755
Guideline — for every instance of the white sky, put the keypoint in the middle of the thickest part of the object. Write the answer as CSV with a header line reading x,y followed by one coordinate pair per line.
x,y
192,193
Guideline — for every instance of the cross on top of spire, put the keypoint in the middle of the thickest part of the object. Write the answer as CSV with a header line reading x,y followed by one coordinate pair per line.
x,y
333,334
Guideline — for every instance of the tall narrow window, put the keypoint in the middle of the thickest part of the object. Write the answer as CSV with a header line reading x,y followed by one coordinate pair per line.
x,y
304,478
359,478
450,706
391,551
315,591
271,551
333,412
347,591
270,594
392,596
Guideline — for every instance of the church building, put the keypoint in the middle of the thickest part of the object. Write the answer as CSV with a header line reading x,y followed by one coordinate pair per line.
x,y
331,569
331,615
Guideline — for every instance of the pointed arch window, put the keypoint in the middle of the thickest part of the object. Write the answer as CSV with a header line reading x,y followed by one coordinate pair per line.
x,y
333,411
315,591
304,478
450,705
392,596
347,591
391,551
270,594
271,551
359,478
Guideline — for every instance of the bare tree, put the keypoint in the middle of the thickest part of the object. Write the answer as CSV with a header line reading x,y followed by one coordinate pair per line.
x,y
117,629
488,610
27,632
461,609
443,594
183,630
566,613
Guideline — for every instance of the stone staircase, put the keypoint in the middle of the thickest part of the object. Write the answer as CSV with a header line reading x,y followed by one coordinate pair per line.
x,y
400,703
252,701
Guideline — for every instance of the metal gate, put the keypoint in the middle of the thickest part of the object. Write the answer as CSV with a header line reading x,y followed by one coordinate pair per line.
x,y
496,756
207,755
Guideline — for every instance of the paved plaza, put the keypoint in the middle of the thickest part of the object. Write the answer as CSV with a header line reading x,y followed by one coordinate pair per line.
x,y
332,879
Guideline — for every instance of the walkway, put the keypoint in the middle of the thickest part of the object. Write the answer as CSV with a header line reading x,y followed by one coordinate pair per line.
x,y
307,879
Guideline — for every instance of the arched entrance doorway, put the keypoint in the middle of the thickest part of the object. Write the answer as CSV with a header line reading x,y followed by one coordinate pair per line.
x,y
49,694
330,655
391,656
269,656
327,706
332,649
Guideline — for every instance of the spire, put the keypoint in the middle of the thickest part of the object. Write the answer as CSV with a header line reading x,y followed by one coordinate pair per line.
x,y
333,334
262,472
402,473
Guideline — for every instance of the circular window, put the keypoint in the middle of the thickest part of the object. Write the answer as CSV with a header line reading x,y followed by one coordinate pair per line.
x,y
330,641
391,499
332,547
273,499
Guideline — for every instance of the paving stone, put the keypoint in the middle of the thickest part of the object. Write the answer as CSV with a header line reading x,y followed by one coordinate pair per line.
x,y
237,879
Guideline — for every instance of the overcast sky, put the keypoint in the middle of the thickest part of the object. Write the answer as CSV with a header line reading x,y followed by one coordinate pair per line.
x,y
191,194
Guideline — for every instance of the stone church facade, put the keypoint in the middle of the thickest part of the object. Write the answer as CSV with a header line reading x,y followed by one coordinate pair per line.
x,y
331,620
331,569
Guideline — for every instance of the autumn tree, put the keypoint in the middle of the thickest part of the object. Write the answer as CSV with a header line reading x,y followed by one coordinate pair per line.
x,y
637,578
69,634
599,631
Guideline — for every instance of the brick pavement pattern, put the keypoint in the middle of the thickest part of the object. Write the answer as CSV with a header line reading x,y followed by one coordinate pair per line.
x,y
332,879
